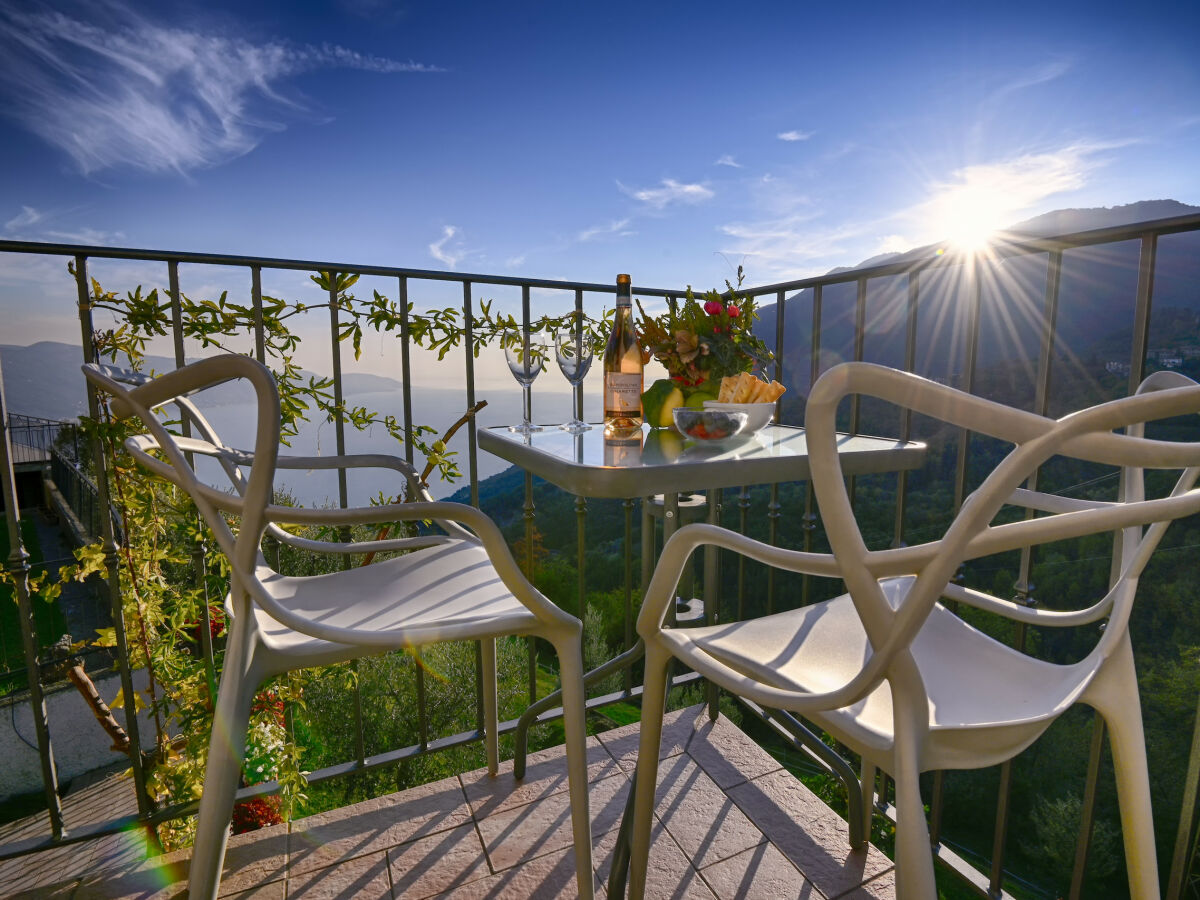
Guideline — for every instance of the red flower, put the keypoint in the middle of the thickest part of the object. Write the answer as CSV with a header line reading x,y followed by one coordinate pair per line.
x,y
713,308
733,311
255,813
716,329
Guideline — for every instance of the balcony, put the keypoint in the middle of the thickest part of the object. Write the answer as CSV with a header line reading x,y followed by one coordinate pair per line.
x,y
732,823
1008,323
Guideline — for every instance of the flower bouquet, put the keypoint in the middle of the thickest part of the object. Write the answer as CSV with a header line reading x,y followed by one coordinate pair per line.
x,y
698,342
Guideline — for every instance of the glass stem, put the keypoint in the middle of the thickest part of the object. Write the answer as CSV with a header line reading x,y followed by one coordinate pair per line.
x,y
577,385
528,403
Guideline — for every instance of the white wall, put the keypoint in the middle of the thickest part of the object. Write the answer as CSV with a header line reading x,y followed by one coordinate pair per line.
x,y
79,743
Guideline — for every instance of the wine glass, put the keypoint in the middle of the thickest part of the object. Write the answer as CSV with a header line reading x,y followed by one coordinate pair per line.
x,y
573,350
526,356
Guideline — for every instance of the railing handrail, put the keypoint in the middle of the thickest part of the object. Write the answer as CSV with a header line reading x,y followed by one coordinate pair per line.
x,y
91,251
1002,247
24,420
1006,244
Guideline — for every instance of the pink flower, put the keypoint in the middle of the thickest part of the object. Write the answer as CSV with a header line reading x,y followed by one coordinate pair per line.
x,y
713,308
733,311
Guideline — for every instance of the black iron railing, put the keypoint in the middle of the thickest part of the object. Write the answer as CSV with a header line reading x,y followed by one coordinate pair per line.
x,y
938,313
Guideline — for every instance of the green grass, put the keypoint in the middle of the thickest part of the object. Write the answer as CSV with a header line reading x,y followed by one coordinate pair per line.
x,y
49,621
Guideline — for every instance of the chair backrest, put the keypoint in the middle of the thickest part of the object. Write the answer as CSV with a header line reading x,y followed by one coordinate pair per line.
x,y
1086,435
135,394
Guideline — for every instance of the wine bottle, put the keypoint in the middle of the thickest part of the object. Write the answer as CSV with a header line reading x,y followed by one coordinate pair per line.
x,y
622,368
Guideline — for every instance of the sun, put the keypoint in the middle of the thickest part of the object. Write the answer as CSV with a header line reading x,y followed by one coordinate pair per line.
x,y
968,215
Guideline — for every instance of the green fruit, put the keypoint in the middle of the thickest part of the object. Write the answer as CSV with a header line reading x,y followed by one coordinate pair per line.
x,y
696,400
662,446
657,402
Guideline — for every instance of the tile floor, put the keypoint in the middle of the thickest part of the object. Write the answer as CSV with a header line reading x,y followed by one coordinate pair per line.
x,y
731,824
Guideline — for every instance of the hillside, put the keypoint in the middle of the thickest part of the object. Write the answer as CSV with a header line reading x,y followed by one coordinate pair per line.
x,y
1095,300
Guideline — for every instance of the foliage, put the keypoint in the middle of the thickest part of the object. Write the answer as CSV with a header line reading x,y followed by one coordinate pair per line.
x,y
168,586
704,342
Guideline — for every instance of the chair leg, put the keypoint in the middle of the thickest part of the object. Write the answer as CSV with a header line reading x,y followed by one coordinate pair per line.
x,y
914,861
226,753
491,719
868,774
1114,695
570,664
654,701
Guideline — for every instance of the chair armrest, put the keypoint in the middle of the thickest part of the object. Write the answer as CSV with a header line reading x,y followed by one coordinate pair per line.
x,y
684,542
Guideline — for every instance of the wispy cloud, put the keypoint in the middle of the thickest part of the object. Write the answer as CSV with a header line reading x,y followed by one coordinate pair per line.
x,y
446,250
728,160
26,217
117,89
988,196
669,192
792,237
617,227
514,262
95,237
795,135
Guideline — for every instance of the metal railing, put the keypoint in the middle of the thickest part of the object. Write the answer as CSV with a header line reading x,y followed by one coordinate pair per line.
x,y
888,313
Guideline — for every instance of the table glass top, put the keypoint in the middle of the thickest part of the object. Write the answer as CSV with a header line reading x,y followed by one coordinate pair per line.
x,y
653,461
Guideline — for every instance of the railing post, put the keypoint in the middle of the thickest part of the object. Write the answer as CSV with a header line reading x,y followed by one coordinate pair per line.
x,y
1141,313
472,436
109,543
18,569
910,364
339,433
199,549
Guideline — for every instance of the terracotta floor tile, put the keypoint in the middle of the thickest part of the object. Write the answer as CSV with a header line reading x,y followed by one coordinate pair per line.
x,y
150,881
808,832
437,863
678,728
760,873
705,823
881,887
670,876
545,774
726,756
375,825
364,878
255,858
517,835
549,877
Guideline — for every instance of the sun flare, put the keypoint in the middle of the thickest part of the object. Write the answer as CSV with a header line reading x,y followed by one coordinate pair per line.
x,y
968,215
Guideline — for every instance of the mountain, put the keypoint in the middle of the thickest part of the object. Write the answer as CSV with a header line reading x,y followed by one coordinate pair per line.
x,y
1096,296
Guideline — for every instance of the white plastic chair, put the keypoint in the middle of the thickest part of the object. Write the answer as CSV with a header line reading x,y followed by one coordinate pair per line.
x,y
891,672
463,585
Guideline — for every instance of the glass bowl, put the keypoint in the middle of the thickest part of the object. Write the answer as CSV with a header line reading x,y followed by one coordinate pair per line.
x,y
710,425
758,414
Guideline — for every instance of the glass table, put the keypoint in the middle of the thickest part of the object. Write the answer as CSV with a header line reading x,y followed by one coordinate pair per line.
x,y
661,461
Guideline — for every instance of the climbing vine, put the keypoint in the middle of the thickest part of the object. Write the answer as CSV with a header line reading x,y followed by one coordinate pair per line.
x,y
168,587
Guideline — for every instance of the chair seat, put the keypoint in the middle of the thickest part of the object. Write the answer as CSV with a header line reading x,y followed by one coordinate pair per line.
x,y
447,592
973,681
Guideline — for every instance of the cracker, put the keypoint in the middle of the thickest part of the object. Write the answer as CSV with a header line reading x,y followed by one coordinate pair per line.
x,y
745,385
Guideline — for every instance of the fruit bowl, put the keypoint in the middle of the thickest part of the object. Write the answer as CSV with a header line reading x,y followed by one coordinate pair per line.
x,y
711,425
758,415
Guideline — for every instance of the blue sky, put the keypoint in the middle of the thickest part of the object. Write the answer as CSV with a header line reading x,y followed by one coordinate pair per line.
x,y
577,140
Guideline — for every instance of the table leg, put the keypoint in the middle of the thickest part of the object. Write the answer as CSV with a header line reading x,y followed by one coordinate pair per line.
x,y
553,701
712,577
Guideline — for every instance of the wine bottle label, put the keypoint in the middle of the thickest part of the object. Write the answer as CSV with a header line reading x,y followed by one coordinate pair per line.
x,y
623,393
